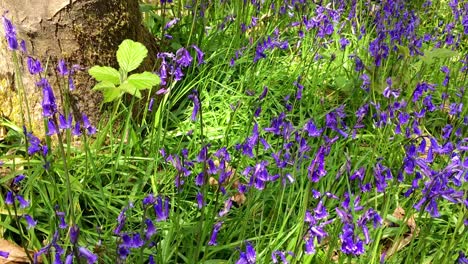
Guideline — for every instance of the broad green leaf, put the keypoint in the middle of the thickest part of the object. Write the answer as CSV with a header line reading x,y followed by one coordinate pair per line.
x,y
143,80
104,73
103,85
110,94
130,89
109,91
130,55
440,53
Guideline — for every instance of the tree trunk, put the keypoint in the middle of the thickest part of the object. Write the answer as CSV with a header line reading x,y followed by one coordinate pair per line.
x,y
83,32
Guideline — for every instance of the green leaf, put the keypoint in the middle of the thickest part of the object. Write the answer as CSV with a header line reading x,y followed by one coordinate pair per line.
x,y
111,94
440,53
143,80
109,91
130,89
104,73
130,55
103,85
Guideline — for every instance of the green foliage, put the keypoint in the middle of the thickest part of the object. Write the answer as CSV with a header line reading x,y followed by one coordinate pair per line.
x,y
114,83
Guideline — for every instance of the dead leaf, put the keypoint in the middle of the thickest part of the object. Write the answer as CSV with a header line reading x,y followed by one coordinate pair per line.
x,y
16,253
396,245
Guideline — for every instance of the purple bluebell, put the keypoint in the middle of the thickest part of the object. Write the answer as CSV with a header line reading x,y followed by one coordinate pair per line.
x,y
150,105
34,66
19,178
171,23
91,130
30,221
214,234
9,198
4,254
200,200
88,255
183,57
76,131
200,54
65,123
249,256
23,46
351,244
10,34
344,42
23,202
62,68
49,108
34,144
74,234
51,128
196,104
121,219
150,229
161,209
61,216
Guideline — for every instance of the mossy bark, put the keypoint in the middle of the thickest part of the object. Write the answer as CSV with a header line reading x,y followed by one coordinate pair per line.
x,y
83,32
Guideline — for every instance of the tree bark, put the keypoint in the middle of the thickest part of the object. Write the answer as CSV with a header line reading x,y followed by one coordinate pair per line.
x,y
83,32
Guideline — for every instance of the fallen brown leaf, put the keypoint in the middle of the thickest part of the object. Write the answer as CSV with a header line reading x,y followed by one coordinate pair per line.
x,y
16,253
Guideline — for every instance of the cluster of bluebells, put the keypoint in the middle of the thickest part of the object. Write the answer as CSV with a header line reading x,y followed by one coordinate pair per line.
x,y
135,240
12,196
172,65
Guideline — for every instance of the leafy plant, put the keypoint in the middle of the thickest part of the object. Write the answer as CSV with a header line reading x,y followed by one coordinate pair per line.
x,y
114,83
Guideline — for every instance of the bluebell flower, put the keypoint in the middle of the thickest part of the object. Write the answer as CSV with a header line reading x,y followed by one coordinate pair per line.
x,y
30,221
34,66
76,131
121,220
214,234
171,23
150,229
9,198
196,104
91,130
4,254
49,108
150,105
200,54
23,203
90,257
183,57
65,123
343,43
10,34
51,129
200,200
74,234
62,68
249,256
61,216
161,209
